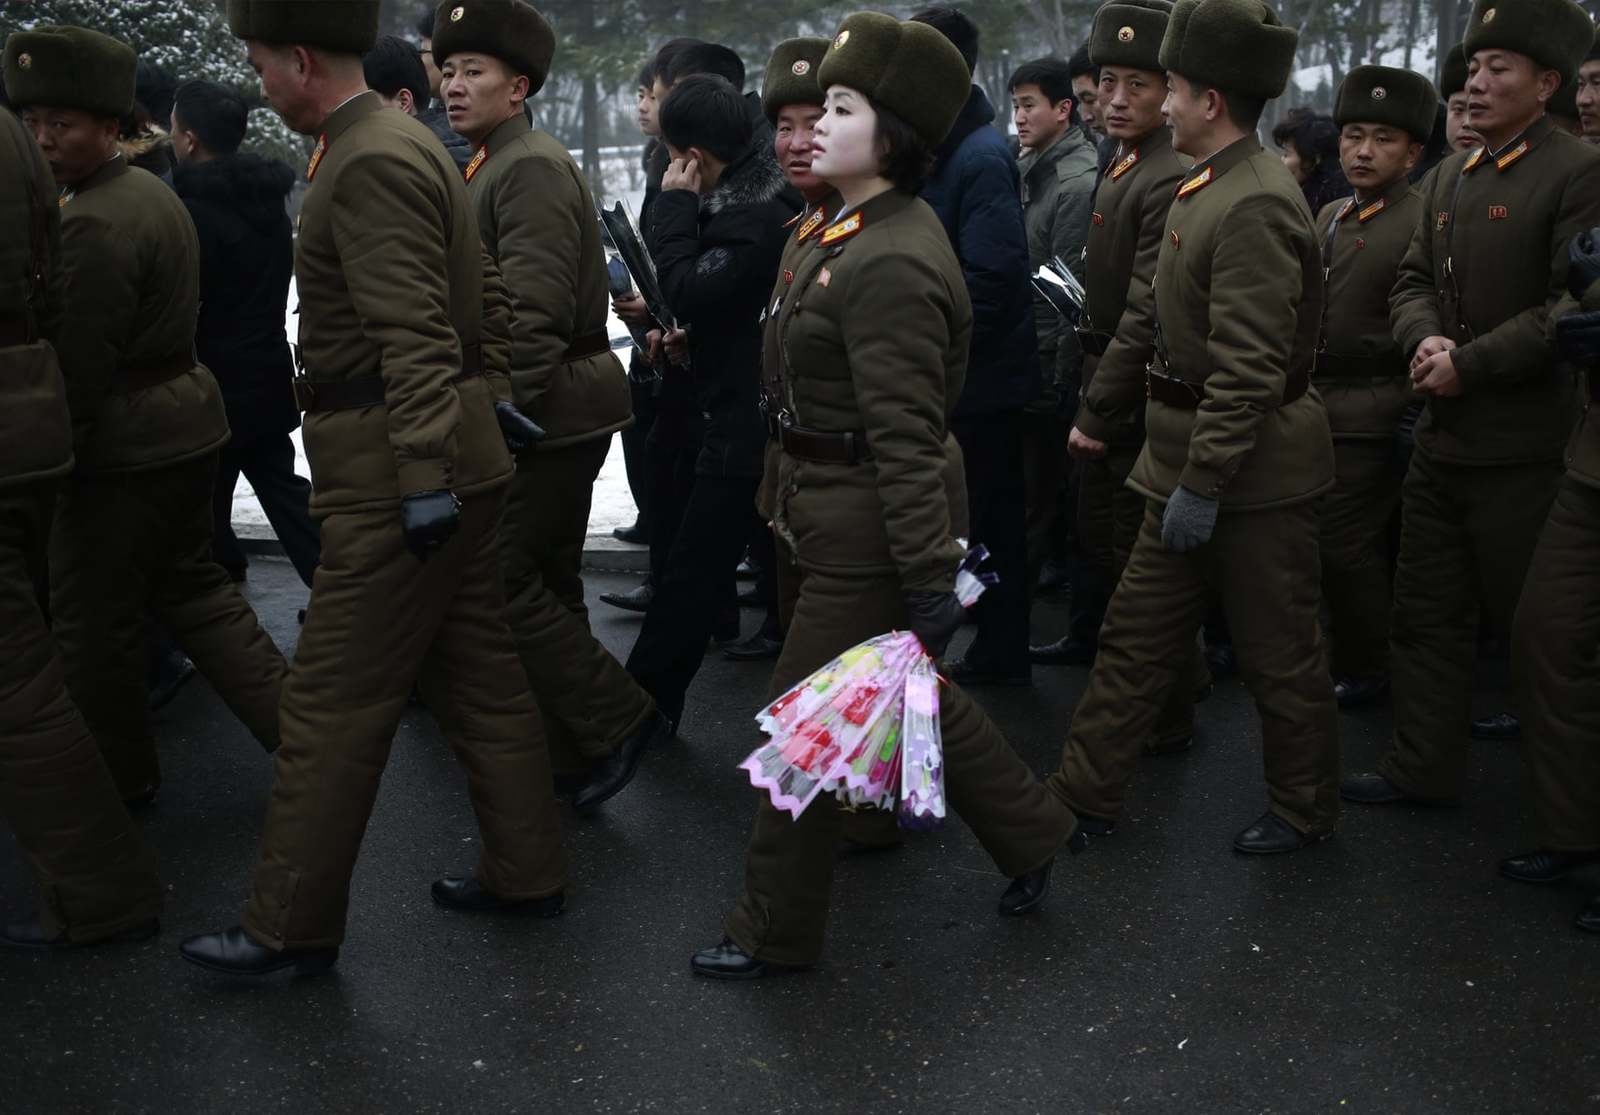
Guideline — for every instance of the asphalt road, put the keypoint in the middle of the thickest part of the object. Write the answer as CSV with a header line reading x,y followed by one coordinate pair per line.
x,y
1389,969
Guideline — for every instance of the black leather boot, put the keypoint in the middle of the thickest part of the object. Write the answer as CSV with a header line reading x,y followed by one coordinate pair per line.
x,y
1272,834
30,936
468,896
1542,866
616,770
234,952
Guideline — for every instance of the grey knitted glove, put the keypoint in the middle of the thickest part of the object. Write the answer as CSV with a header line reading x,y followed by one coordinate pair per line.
x,y
1189,521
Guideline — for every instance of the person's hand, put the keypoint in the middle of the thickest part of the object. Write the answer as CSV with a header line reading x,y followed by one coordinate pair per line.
x,y
652,346
1583,255
1429,348
429,520
1082,447
1188,522
632,310
935,617
517,428
1437,376
682,174
676,342
1578,337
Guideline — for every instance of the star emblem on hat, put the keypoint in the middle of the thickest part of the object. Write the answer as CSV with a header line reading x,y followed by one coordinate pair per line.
x,y
801,68
1379,92
1126,35
25,61
1488,16
456,14
840,39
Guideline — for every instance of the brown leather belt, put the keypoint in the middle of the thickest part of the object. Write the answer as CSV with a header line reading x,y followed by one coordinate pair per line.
x,y
592,343
1094,344
320,396
1176,392
823,446
15,331
137,377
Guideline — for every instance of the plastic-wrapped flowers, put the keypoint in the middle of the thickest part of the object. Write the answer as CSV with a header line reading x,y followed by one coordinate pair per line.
x,y
865,727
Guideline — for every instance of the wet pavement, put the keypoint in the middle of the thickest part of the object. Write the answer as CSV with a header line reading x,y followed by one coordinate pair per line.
x,y
1387,970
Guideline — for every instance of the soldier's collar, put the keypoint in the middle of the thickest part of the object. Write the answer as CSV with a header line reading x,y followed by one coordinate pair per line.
x,y
114,167
1366,210
507,131
1209,170
341,118
1513,152
853,219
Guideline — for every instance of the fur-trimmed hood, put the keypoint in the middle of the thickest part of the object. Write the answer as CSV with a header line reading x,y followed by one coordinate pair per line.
x,y
755,177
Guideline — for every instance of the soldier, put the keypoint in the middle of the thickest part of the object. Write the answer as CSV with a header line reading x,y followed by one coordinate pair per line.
x,y
871,370
409,470
1486,265
1385,116
1587,94
133,527
1556,629
1238,448
1125,237
536,217
97,880
1453,87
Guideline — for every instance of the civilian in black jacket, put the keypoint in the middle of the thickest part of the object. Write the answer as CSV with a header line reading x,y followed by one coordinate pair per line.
x,y
717,234
246,258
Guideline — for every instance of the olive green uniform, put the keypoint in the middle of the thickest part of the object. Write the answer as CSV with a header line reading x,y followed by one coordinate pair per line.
x,y
96,877
1238,296
1364,380
132,534
391,275
1487,262
872,328
536,217
1557,628
1125,237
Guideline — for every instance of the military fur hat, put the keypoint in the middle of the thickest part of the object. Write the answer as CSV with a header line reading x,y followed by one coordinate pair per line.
x,y
510,30
1238,46
1453,74
70,67
1129,33
1594,50
791,77
908,68
1554,33
1385,95
340,26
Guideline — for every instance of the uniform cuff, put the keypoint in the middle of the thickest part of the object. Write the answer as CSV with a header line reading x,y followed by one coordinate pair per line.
x,y
1202,481
1469,367
1090,424
425,476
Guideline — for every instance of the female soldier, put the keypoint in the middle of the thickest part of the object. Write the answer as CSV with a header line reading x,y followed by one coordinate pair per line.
x,y
871,323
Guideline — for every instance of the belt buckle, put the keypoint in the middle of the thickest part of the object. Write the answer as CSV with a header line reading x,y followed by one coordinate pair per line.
x,y
785,419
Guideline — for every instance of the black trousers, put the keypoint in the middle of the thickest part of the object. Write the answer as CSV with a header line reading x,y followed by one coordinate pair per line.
x,y
634,455
669,464
690,591
268,463
992,445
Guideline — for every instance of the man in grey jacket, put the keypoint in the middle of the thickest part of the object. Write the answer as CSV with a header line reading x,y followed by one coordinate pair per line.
x,y
1058,179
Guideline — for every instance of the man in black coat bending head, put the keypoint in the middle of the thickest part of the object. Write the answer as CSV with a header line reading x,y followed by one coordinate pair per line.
x,y
246,258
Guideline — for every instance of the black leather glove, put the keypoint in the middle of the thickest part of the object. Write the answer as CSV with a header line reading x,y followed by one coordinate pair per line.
x,y
429,520
1584,254
517,428
935,619
1578,337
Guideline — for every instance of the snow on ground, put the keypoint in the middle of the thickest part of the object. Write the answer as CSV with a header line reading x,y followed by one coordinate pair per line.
x,y
613,503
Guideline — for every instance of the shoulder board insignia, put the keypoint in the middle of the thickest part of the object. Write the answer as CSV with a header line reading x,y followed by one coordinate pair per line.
x,y
1512,155
813,223
1373,210
316,157
792,221
1125,165
1475,161
843,230
1195,184
477,162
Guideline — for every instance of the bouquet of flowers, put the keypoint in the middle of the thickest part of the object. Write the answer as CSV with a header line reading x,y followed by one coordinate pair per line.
x,y
865,727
